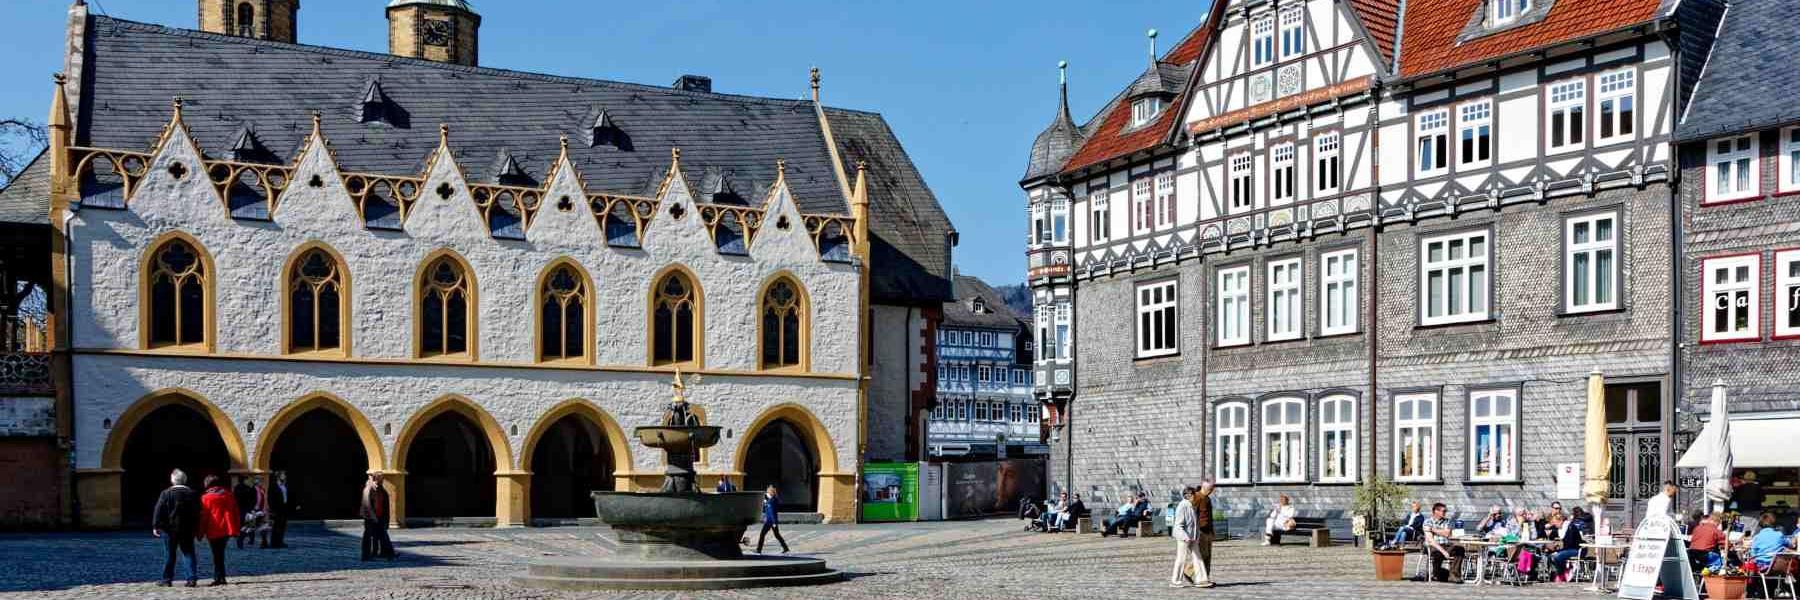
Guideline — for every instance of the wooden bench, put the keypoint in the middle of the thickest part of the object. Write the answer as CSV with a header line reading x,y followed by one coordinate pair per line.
x,y
1084,524
1146,528
1312,531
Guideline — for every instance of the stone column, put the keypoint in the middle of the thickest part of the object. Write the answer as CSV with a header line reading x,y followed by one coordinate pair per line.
x,y
100,491
396,487
512,498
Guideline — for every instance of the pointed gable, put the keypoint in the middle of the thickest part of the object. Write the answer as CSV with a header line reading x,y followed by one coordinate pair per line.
x,y
1113,136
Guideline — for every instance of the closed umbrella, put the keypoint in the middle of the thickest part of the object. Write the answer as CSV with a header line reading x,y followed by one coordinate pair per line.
x,y
1711,449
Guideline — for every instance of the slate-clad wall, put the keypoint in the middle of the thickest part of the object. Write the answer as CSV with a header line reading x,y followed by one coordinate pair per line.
x,y
1759,375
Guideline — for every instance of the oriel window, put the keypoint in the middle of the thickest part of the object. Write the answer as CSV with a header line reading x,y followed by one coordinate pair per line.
x,y
783,325
178,298
673,338
445,292
562,315
315,303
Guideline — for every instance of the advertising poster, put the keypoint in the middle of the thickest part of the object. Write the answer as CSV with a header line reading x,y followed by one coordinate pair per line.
x,y
890,492
979,489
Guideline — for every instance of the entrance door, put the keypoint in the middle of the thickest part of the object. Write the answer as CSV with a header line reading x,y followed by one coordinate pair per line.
x,y
1640,465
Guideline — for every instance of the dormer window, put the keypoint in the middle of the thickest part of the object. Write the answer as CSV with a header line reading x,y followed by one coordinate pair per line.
x,y
1145,110
979,306
1507,11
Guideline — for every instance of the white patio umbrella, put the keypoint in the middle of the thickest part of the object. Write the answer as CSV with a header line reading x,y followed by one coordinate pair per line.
x,y
1711,450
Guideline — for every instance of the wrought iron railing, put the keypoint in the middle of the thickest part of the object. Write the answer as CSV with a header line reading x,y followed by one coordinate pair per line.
x,y
25,373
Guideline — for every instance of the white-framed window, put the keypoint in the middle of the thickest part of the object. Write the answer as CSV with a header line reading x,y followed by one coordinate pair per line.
x,y
1234,306
1041,315
981,411
1732,173
1327,164
1165,199
1156,311
1099,217
1293,32
1590,262
1040,223
1788,172
1433,143
1494,435
1337,292
1285,309
984,373
1243,183
1145,109
1615,106
1063,331
962,410
1059,220
1787,294
1281,171
1284,440
1507,11
1475,134
1731,286
1143,204
1453,278
1231,434
1262,41
1337,439
1415,437
1567,107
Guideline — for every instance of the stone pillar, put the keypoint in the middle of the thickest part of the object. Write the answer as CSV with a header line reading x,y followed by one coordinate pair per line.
x,y
100,491
512,498
837,497
396,486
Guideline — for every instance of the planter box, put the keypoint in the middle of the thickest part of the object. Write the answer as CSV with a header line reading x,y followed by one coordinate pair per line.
x,y
1725,588
1390,565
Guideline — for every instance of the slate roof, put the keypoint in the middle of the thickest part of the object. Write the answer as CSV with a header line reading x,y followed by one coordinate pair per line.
x,y
1749,71
26,199
135,69
961,313
1435,31
1055,143
1110,134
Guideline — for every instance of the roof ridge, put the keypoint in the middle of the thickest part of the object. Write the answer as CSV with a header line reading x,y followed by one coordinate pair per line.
x,y
493,71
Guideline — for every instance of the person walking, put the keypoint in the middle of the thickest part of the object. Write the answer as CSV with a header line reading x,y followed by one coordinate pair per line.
x,y
1204,525
375,542
175,519
218,523
280,507
771,500
245,495
1185,530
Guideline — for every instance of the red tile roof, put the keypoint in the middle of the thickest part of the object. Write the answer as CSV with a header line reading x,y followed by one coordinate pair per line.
x,y
1432,27
1111,139
1381,18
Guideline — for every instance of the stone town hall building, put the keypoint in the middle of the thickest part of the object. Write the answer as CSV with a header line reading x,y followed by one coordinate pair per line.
x,y
1349,239
270,256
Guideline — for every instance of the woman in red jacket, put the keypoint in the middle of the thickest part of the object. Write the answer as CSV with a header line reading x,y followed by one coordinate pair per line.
x,y
219,523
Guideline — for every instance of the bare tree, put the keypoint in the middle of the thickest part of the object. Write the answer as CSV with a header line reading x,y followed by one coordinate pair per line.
x,y
21,140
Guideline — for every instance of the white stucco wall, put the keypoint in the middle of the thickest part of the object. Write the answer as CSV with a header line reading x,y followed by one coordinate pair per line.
x,y
248,257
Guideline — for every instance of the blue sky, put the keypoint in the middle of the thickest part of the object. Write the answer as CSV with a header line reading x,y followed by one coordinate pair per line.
x,y
966,85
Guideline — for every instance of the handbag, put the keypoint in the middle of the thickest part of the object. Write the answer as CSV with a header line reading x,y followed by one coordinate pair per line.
x,y
1288,525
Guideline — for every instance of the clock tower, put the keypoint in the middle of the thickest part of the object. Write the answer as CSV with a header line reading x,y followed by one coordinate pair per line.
x,y
260,19
440,30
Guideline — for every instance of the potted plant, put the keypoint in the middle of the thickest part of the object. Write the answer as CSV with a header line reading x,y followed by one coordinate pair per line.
x,y
1725,583
1373,502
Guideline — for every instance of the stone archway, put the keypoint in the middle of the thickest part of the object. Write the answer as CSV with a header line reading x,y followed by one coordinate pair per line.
x,y
789,447
311,440
167,430
575,448
449,455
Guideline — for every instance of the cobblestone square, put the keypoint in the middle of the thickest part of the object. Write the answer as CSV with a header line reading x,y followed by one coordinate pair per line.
x,y
982,559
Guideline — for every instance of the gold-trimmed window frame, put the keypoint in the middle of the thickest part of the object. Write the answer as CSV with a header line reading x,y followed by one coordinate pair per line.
x,y
584,293
696,299
471,290
291,277
801,308
206,274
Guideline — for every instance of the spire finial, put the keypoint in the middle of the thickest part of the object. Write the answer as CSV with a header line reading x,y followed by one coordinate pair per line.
x,y
177,104
316,118
675,154
59,78
815,84
1152,35
443,134
565,144
1062,72
781,168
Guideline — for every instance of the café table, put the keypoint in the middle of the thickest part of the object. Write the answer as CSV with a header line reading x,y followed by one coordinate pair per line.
x,y
1599,576
1479,547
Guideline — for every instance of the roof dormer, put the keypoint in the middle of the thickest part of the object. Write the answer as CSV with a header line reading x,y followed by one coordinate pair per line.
x,y
1501,15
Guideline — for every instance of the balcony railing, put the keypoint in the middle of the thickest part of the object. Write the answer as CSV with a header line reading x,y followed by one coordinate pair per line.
x,y
25,373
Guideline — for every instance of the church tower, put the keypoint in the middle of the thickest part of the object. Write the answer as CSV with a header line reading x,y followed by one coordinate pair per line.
x,y
440,30
261,19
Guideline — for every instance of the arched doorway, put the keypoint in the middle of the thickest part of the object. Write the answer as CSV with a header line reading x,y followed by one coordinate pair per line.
x,y
779,455
173,436
325,466
572,458
449,469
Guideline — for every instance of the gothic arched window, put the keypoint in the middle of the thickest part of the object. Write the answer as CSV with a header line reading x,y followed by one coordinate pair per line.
x,y
179,296
246,20
674,339
316,309
562,314
446,293
783,325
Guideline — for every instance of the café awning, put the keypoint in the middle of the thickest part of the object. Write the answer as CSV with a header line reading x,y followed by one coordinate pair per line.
x,y
1755,443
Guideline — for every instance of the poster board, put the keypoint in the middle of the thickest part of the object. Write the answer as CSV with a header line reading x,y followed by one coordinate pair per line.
x,y
890,492
1657,555
1568,481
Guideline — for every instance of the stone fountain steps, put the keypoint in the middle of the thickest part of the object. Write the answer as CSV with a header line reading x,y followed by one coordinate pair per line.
x,y
595,574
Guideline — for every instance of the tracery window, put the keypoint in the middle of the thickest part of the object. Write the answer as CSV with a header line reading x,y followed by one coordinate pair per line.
x,y
562,315
445,292
177,285
783,325
316,309
673,337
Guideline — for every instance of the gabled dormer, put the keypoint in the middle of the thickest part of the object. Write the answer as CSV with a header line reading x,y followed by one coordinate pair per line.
x,y
1270,57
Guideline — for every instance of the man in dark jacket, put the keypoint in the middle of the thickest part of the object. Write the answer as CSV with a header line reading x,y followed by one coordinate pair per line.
x,y
771,518
246,500
175,519
280,506
375,540
1203,524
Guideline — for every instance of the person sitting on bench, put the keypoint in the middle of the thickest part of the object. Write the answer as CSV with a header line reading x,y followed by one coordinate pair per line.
x,y
1129,514
1411,528
1281,519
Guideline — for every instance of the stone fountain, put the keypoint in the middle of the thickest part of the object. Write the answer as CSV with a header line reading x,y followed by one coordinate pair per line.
x,y
677,538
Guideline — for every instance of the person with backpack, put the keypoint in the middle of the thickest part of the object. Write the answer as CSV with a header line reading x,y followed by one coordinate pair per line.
x,y
219,523
175,519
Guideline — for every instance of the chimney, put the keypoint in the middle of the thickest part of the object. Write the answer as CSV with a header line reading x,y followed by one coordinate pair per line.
x,y
693,83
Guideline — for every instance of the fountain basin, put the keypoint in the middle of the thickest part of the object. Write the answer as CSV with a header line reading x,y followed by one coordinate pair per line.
x,y
686,437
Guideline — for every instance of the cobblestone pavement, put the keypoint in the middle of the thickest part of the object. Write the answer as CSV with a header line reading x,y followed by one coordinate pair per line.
x,y
985,559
